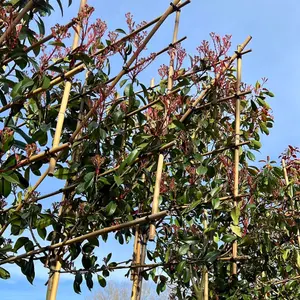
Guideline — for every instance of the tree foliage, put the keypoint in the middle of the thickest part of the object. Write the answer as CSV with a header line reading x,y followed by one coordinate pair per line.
x,y
109,164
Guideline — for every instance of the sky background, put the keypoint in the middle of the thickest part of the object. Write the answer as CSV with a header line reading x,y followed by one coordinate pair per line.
x,y
274,26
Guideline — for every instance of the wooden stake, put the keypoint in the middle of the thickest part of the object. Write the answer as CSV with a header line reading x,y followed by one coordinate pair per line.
x,y
152,230
237,149
65,99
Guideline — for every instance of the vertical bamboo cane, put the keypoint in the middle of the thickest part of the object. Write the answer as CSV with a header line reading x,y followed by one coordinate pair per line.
x,y
175,37
144,238
152,230
65,99
54,280
137,260
287,182
136,238
205,271
236,151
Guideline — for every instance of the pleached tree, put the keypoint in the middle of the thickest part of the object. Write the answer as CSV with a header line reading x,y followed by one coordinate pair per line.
x,y
171,163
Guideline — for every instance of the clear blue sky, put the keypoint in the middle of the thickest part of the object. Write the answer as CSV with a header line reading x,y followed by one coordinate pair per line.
x,y
274,26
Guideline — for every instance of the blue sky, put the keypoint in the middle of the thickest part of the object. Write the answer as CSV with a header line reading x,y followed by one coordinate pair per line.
x,y
274,26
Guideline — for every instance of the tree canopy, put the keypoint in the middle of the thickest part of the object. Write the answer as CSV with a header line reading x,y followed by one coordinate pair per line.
x,y
176,157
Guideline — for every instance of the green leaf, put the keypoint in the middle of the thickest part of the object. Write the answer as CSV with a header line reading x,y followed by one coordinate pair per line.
x,y
132,156
89,178
215,190
128,91
101,281
111,208
179,124
184,249
118,180
202,170
255,144
120,30
20,243
181,266
122,82
211,256
77,283
89,280
64,173
228,238
60,6
12,178
215,203
236,229
250,155
235,214
46,83
4,274
16,89
2,98
270,94
5,187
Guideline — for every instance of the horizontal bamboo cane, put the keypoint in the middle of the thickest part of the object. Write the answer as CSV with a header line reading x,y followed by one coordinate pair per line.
x,y
37,157
90,235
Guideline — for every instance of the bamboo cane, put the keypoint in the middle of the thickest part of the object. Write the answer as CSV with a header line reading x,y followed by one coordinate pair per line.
x,y
205,271
142,262
237,150
135,285
90,235
137,279
37,157
152,230
136,238
15,22
171,66
54,280
65,99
